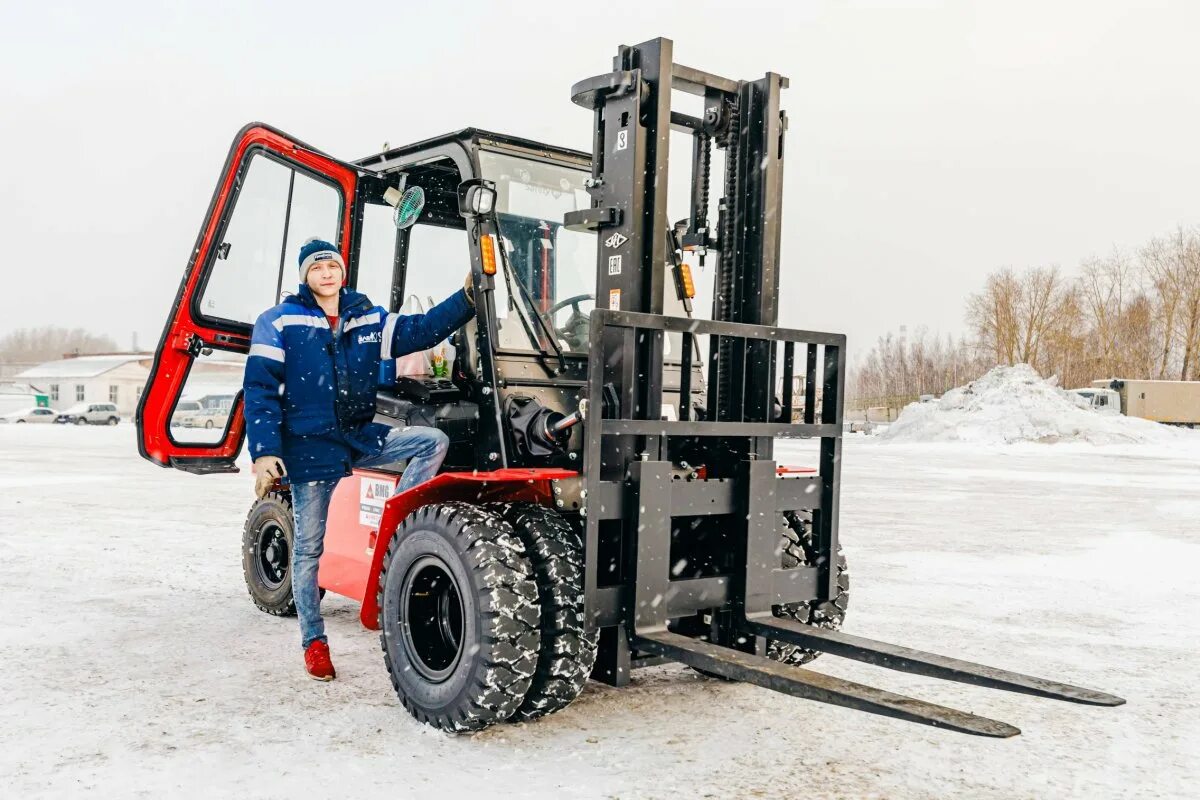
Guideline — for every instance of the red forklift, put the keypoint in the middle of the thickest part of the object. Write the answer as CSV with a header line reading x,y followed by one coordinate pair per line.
x,y
610,499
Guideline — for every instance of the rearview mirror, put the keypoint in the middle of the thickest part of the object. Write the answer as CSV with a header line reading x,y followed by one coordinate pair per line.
x,y
476,197
408,205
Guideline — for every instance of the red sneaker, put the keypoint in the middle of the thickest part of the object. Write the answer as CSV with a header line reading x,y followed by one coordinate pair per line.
x,y
316,661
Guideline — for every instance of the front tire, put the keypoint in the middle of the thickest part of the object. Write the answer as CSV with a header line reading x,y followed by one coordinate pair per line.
x,y
458,617
80,421
267,554
568,651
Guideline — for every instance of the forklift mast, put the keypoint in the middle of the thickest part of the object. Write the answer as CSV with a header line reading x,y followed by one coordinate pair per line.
x,y
633,118
635,460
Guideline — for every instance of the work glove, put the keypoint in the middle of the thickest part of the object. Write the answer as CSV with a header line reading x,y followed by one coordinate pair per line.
x,y
267,470
469,287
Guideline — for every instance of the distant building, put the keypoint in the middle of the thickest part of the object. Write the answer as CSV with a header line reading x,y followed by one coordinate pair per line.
x,y
113,378
120,377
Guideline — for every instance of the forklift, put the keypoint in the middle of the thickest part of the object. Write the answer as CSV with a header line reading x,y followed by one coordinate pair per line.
x,y
610,499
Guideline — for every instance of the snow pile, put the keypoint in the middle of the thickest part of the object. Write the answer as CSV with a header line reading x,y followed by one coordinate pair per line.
x,y
1015,404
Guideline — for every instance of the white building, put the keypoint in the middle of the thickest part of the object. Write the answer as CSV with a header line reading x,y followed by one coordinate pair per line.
x,y
213,380
117,378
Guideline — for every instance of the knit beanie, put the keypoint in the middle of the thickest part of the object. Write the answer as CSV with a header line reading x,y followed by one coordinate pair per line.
x,y
315,250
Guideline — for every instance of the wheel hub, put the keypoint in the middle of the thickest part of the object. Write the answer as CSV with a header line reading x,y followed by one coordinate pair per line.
x,y
431,619
272,561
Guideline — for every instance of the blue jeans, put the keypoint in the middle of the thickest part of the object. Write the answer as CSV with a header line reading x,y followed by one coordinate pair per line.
x,y
425,448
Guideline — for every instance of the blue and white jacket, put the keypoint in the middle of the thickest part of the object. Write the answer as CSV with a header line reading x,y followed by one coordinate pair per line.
x,y
310,391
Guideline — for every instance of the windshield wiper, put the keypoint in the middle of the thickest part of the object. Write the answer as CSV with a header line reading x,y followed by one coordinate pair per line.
x,y
528,305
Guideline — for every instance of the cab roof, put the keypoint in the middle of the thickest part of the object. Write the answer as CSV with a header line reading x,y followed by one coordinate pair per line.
x,y
471,138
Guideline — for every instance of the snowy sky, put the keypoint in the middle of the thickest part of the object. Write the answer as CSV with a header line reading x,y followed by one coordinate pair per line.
x,y
929,142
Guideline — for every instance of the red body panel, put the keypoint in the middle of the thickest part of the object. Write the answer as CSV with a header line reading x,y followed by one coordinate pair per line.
x,y
170,373
355,543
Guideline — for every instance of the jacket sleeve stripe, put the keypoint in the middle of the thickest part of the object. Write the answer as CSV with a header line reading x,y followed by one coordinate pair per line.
x,y
389,328
285,320
267,351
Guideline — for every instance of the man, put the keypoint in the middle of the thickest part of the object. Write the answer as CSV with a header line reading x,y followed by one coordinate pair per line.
x,y
309,393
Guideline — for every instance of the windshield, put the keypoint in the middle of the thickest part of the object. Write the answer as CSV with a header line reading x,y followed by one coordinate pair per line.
x,y
556,266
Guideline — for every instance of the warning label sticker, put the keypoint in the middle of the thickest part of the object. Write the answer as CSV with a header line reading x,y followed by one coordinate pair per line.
x,y
372,494
614,265
614,299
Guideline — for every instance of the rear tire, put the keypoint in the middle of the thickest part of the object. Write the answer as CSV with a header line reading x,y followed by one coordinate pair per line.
x,y
568,651
80,420
458,617
799,550
113,420
267,554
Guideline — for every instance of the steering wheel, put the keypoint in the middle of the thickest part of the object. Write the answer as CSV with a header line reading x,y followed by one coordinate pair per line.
x,y
571,329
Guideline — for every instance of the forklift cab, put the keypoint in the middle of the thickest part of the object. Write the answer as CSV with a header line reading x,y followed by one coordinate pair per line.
x,y
535,285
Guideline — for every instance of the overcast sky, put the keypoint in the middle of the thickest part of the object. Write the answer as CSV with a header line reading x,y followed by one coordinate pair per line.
x,y
929,143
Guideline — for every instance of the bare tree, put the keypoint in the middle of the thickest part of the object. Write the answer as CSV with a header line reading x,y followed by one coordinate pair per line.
x,y
1106,286
1029,318
46,343
897,371
1172,264
992,315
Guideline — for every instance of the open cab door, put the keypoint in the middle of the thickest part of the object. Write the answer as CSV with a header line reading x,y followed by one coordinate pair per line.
x,y
273,195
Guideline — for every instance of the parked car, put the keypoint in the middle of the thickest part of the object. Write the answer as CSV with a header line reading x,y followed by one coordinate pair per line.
x,y
205,418
90,414
29,415
182,409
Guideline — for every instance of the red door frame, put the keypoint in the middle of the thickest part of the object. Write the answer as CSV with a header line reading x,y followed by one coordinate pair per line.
x,y
173,360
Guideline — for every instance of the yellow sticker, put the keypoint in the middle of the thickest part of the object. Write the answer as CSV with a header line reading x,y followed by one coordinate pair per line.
x,y
614,299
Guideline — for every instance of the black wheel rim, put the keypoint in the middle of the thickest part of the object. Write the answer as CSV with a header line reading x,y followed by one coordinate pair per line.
x,y
431,619
271,556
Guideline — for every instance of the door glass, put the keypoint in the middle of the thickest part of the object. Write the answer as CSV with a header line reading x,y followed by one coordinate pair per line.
x,y
315,213
201,415
251,264
244,276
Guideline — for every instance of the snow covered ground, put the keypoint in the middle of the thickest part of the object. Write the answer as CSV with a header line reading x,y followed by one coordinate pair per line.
x,y
135,665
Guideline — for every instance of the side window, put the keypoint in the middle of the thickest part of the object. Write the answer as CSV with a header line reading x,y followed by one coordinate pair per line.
x,y
276,210
201,416
377,255
438,260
